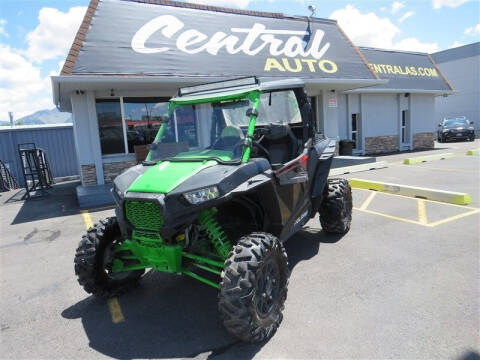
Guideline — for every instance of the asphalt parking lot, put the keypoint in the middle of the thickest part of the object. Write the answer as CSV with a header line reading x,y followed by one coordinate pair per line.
x,y
403,283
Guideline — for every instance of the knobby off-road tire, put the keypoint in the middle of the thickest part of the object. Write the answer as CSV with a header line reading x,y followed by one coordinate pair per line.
x,y
92,267
254,287
336,208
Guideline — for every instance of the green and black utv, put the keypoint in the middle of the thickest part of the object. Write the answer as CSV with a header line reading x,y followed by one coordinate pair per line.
x,y
236,168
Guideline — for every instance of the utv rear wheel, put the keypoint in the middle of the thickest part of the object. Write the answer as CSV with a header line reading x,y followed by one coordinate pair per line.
x,y
94,258
336,208
254,287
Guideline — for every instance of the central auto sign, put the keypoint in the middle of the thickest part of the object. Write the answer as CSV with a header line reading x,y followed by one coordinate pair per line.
x,y
247,41
127,37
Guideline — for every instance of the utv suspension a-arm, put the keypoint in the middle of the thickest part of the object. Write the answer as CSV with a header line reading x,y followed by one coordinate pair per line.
x,y
148,250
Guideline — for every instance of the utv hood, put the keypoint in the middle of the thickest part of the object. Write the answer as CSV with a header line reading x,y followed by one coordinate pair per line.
x,y
165,176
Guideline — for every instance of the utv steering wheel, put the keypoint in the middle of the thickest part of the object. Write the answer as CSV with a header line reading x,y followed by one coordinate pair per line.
x,y
256,143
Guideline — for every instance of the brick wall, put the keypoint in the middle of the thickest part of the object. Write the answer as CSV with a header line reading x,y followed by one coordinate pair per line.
x,y
111,170
89,175
423,140
381,144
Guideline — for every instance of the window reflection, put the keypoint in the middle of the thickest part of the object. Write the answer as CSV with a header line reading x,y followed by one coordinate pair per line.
x,y
143,117
110,126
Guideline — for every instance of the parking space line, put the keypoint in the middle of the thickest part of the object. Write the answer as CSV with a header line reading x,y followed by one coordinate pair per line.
x,y
368,200
435,168
422,212
87,219
455,217
393,217
115,310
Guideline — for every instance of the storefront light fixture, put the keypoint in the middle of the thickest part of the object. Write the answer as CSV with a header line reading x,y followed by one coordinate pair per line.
x,y
112,93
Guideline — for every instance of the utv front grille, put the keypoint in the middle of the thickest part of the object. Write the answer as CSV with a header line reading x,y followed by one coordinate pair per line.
x,y
143,215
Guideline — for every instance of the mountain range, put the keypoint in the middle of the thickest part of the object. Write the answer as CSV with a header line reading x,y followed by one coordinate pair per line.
x,y
52,116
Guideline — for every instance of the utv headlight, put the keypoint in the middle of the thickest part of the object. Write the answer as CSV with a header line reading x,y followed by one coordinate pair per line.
x,y
202,195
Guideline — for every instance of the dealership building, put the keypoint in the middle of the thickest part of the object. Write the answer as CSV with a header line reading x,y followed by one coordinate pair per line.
x,y
129,57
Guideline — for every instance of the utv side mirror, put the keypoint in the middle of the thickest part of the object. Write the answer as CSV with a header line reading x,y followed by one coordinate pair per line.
x,y
252,111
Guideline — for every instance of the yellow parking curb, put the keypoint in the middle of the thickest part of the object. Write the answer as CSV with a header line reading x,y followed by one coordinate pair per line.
x,y
420,159
413,191
473,152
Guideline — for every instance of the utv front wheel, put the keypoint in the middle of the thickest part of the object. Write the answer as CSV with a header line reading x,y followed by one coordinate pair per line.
x,y
336,208
254,287
94,258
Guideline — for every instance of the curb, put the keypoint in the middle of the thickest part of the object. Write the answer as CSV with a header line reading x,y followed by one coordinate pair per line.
x,y
420,159
358,168
66,178
473,152
450,197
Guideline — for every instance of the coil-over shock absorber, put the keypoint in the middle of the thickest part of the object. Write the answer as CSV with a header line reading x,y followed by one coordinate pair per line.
x,y
216,235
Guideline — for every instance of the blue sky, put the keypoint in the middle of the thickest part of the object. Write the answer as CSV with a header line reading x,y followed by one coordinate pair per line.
x,y
35,35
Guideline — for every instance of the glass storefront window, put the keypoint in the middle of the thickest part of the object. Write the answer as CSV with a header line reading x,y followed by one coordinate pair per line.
x,y
143,117
110,126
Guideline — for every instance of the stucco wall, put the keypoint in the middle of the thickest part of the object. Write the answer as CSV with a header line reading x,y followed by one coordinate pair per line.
x,y
380,114
423,113
464,75
86,135
331,117
342,116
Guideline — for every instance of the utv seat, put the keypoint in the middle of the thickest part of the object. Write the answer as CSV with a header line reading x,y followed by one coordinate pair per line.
x,y
281,144
229,137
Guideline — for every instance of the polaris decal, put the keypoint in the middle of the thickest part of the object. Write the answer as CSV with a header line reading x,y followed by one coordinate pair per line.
x,y
301,220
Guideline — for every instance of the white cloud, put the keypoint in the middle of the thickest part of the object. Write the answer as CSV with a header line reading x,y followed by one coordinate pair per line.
x,y
22,89
368,29
54,34
383,9
406,16
473,30
3,22
397,6
242,4
456,44
437,4
413,44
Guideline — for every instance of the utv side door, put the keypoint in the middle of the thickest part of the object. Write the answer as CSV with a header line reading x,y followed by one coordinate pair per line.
x,y
293,187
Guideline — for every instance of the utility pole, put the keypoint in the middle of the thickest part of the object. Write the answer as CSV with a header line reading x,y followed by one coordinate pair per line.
x,y
10,114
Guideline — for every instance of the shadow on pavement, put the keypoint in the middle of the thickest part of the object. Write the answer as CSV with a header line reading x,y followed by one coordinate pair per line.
x,y
170,316
305,244
165,317
60,201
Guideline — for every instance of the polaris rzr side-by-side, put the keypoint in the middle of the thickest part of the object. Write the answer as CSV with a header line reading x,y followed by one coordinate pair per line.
x,y
235,169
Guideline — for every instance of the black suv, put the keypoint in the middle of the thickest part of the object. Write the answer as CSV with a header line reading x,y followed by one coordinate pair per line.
x,y
455,129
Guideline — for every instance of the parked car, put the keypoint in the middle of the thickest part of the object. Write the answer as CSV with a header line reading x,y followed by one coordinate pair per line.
x,y
455,129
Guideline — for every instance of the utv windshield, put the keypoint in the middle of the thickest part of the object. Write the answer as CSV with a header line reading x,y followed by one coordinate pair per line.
x,y
217,130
